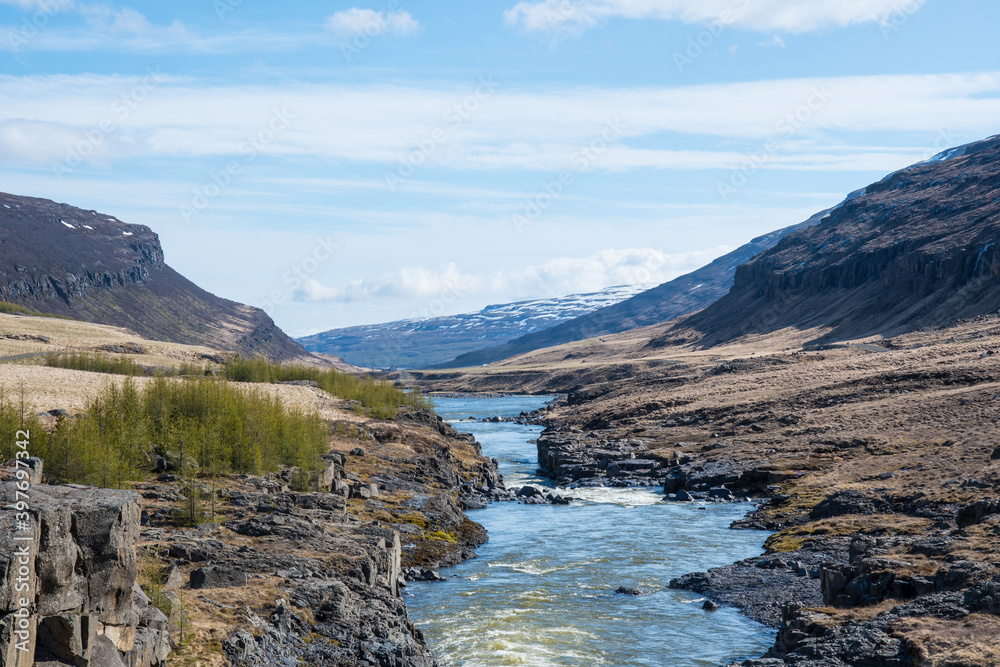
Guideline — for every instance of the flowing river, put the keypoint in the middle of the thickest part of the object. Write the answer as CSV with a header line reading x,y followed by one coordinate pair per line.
x,y
542,591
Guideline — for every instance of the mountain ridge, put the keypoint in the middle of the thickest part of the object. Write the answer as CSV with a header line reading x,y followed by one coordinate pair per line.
x,y
62,260
916,249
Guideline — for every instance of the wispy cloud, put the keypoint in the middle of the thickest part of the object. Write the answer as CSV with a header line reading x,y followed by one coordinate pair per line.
x,y
125,30
350,22
564,275
561,17
44,5
694,127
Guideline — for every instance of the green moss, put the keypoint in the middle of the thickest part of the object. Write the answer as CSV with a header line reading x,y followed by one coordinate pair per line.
x,y
443,536
784,542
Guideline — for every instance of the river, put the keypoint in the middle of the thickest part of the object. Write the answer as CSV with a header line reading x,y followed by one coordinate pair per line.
x,y
542,590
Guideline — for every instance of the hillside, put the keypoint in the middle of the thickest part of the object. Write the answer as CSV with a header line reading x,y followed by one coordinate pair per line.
x,y
66,261
681,296
418,343
917,249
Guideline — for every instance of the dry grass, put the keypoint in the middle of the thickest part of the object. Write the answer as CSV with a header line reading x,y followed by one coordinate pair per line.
x,y
968,642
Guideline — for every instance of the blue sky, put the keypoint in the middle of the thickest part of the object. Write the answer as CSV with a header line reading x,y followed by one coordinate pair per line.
x,y
346,163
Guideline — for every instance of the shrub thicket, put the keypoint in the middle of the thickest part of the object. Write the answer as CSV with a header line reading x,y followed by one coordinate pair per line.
x,y
201,426
99,362
379,398
94,363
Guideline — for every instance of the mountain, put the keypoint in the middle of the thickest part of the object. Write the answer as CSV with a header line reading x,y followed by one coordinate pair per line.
x,y
917,249
681,296
58,259
418,343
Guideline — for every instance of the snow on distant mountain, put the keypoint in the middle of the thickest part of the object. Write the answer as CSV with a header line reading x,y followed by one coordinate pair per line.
x,y
417,343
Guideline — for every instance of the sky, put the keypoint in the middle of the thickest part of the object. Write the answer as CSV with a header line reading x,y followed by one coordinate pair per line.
x,y
346,163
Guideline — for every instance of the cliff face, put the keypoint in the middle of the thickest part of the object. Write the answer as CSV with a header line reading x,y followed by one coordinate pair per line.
x,y
59,259
68,592
917,249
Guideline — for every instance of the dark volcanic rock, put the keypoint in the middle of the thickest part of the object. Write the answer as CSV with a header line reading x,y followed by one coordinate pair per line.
x,y
217,577
761,587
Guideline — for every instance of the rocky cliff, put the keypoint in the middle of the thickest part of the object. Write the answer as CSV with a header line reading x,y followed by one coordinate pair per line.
x,y
68,593
916,249
66,261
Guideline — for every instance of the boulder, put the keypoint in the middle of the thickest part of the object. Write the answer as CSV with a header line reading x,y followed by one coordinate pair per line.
x,y
215,576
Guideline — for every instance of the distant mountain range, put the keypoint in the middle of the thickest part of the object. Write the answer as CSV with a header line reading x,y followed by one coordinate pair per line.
x,y
62,260
419,343
681,296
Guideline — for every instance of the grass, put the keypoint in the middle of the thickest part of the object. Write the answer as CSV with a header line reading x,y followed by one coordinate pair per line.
x,y
377,398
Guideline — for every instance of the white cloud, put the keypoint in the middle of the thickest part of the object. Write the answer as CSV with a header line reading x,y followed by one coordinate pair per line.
x,y
776,41
556,277
353,22
178,118
795,16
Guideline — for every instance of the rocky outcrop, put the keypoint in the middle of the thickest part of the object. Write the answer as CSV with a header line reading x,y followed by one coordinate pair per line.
x,y
69,592
90,266
572,457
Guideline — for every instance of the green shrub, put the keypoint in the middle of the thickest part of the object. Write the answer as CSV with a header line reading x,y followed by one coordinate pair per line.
x,y
114,365
16,415
94,363
203,427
